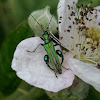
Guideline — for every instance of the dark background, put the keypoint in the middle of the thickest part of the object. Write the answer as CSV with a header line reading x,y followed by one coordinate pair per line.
x,y
13,29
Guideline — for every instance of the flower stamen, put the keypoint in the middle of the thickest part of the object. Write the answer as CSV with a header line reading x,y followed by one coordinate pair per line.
x,y
83,35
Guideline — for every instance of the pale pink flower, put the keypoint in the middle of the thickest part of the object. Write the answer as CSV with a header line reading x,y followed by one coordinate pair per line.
x,y
80,34
31,67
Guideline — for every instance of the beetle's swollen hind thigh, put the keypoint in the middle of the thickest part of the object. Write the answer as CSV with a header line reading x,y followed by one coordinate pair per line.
x,y
46,59
60,54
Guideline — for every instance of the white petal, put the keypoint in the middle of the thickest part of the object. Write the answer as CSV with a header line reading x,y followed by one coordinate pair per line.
x,y
30,66
86,72
95,18
65,13
98,17
63,4
67,56
98,8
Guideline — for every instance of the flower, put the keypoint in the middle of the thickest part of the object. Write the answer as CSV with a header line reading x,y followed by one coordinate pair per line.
x,y
31,67
80,33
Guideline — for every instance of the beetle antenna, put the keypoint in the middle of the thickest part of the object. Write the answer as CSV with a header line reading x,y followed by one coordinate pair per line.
x,y
38,22
52,17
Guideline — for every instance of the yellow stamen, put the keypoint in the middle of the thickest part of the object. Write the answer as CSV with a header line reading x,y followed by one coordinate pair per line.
x,y
93,33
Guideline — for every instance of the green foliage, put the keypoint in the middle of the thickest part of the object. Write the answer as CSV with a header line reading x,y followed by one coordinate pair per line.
x,y
13,12
26,92
8,79
86,2
93,94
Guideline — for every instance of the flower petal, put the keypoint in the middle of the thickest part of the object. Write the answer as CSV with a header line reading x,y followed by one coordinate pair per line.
x,y
65,13
98,17
67,56
30,66
86,72
98,13
67,7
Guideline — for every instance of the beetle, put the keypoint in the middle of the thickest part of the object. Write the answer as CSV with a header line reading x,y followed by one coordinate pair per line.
x,y
52,54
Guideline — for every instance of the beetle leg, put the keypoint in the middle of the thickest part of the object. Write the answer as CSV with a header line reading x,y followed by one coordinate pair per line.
x,y
46,59
54,42
64,68
55,74
60,54
35,48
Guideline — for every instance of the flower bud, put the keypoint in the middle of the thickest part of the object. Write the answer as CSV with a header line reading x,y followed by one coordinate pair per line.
x,y
39,21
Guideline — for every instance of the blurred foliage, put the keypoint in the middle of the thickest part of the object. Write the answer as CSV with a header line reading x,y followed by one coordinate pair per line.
x,y
86,2
26,92
93,94
8,78
12,13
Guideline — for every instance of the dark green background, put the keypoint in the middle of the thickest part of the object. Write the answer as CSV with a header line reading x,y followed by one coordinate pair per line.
x,y
13,29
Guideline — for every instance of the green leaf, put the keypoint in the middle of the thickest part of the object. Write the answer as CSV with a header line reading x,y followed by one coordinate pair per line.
x,y
8,79
26,92
93,94
86,2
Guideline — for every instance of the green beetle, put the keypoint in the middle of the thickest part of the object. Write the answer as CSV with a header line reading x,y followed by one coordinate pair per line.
x,y
52,54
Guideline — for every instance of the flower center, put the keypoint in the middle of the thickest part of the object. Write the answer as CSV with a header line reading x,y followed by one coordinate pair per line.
x,y
83,33
93,33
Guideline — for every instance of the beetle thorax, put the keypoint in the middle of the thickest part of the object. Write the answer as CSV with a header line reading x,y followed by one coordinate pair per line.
x,y
46,37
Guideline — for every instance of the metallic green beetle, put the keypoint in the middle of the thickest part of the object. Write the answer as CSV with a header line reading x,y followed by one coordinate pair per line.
x,y
52,54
